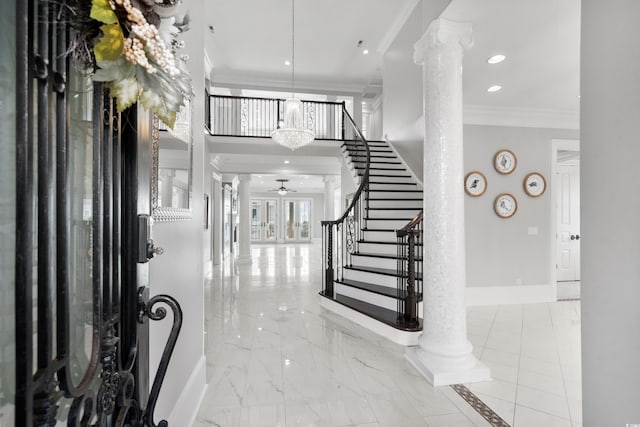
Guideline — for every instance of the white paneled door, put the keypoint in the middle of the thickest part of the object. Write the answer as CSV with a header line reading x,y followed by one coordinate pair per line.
x,y
297,217
263,220
568,208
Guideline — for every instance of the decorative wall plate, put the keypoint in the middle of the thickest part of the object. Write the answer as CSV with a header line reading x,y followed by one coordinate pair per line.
x,y
505,161
505,205
534,184
475,184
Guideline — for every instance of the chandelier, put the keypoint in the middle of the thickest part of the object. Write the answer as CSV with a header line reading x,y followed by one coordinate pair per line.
x,y
292,133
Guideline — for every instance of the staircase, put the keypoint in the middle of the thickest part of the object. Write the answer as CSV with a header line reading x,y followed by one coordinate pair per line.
x,y
376,279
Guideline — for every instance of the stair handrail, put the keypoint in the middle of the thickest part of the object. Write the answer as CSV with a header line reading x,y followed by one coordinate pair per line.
x,y
410,225
409,270
364,182
348,227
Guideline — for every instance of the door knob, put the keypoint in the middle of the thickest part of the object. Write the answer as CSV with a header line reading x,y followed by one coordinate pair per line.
x,y
575,237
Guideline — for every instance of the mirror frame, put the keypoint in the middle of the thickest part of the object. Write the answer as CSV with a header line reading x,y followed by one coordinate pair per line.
x,y
163,213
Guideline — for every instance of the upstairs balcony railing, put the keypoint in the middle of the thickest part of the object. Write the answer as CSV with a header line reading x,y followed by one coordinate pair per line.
x,y
241,116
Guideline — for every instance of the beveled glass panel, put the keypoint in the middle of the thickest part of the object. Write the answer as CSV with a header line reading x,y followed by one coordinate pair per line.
x,y
271,218
256,219
80,243
7,209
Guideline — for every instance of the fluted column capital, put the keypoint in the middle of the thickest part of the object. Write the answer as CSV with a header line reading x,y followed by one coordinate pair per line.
x,y
443,32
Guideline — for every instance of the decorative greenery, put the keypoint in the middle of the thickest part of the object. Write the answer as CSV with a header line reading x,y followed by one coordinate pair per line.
x,y
133,50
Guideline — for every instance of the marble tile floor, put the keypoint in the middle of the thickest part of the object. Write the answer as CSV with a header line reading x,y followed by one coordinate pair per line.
x,y
275,358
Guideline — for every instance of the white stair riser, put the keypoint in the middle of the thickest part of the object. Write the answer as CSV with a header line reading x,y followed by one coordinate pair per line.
x,y
395,178
376,248
388,170
373,278
392,224
380,236
417,204
382,249
392,187
393,213
370,297
367,261
396,194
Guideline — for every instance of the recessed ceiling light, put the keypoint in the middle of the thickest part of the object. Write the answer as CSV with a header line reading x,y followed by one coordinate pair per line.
x,y
287,63
365,52
286,162
496,59
494,88
259,176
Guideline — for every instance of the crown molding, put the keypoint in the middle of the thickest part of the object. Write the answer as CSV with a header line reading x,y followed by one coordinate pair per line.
x,y
396,26
521,117
248,81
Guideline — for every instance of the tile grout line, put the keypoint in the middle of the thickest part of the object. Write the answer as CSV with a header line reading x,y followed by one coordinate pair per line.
x,y
482,408
564,385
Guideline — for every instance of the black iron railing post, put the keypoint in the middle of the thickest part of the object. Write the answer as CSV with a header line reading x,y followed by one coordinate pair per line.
x,y
328,284
344,109
411,303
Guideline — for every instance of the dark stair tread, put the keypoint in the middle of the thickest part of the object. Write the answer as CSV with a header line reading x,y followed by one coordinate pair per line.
x,y
373,156
387,219
387,291
385,256
394,191
380,175
393,183
378,168
381,242
377,162
377,270
371,150
380,314
394,209
387,199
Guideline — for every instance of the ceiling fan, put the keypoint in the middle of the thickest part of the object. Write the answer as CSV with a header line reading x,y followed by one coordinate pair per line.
x,y
282,190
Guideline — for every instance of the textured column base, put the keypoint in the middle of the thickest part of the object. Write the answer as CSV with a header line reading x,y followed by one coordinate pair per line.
x,y
439,370
243,260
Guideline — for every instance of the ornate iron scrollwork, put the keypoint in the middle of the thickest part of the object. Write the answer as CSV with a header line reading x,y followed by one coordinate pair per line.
x,y
150,310
350,234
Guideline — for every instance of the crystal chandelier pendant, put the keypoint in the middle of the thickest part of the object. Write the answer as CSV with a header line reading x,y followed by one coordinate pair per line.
x,y
293,134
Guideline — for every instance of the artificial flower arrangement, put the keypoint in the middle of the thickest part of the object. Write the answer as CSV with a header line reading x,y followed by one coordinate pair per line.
x,y
133,50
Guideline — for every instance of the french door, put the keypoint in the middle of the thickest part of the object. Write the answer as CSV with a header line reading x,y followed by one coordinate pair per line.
x,y
297,219
264,217
77,233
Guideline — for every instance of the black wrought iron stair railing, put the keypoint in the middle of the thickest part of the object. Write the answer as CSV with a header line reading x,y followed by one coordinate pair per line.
x,y
410,269
340,237
254,117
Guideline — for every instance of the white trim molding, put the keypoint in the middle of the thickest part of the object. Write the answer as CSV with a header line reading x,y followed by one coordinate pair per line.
x,y
396,26
520,117
497,295
186,407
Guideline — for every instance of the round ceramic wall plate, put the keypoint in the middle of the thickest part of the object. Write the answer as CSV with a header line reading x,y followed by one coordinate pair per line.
x,y
535,185
505,162
505,205
475,184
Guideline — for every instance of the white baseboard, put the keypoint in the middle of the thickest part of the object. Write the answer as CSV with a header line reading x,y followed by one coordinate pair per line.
x,y
186,408
522,294
392,334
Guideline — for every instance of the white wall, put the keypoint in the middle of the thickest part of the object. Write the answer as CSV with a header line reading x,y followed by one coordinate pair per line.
x,y
179,272
317,206
402,86
501,252
347,184
610,227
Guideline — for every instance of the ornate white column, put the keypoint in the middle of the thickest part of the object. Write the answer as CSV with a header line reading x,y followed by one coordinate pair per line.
x,y
444,354
244,224
329,208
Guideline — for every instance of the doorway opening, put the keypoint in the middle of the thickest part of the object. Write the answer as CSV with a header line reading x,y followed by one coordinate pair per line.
x,y
566,217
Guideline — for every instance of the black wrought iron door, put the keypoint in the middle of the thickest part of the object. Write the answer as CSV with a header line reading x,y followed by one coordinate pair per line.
x,y
81,300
